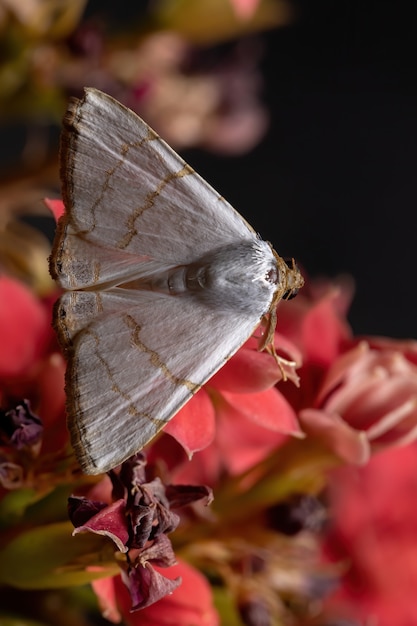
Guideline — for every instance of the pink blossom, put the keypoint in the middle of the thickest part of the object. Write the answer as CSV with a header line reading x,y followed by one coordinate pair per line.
x,y
32,370
243,417
190,603
24,331
356,395
245,8
373,536
369,393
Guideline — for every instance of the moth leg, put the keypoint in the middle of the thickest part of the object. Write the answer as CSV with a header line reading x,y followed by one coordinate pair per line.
x,y
269,322
266,342
286,367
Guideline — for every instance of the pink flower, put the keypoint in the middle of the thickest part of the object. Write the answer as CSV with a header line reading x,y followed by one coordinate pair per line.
x,y
191,603
31,371
368,400
245,9
373,535
24,332
236,420
356,396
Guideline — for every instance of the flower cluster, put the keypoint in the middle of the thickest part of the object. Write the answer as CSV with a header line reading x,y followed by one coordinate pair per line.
x,y
269,449
161,70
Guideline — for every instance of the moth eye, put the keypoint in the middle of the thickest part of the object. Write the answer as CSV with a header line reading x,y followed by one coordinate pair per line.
x,y
290,294
272,276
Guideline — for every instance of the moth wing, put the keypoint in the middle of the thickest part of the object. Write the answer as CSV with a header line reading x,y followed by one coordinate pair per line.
x,y
140,357
133,206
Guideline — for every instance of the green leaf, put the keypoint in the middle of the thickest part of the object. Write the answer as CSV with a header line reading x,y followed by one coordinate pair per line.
x,y
224,603
13,506
49,557
51,507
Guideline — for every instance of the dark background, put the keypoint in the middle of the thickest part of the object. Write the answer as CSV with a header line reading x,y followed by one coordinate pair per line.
x,y
334,182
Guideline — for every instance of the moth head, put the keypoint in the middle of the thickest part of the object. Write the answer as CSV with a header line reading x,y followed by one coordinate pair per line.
x,y
290,279
294,279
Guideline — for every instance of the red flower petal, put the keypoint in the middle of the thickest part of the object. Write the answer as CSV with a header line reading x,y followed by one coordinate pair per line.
x,y
248,371
268,409
251,426
373,533
190,603
332,431
194,426
105,590
240,442
204,468
407,347
24,328
323,333
56,207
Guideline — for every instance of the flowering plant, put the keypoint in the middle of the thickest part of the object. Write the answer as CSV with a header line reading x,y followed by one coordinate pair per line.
x,y
268,449
263,501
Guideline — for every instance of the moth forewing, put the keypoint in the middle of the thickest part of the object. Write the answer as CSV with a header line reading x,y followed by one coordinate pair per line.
x,y
165,280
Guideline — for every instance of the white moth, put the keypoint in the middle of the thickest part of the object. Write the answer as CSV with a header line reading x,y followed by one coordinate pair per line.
x,y
164,281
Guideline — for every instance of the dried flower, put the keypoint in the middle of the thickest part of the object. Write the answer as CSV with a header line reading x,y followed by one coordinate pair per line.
x,y
137,521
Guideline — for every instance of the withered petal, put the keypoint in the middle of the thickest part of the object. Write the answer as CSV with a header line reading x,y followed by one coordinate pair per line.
x,y
147,586
110,522
183,495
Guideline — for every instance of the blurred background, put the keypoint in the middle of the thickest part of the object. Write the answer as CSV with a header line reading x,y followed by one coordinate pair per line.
x,y
302,113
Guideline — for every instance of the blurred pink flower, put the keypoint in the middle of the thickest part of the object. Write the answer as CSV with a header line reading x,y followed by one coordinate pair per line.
x,y
190,603
31,369
245,8
24,331
373,535
190,101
